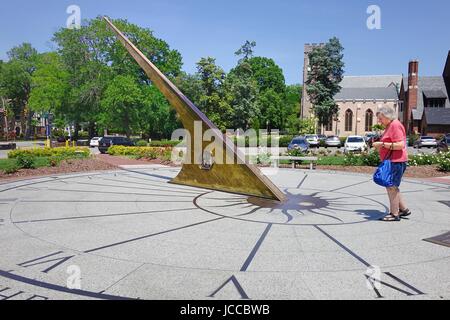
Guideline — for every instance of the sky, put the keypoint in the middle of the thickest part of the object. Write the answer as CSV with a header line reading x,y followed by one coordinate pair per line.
x,y
200,28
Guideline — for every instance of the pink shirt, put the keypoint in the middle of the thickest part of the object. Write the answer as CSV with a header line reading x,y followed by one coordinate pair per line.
x,y
395,133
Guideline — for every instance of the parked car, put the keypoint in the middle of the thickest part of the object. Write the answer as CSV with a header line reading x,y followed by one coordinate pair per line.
x,y
94,142
370,138
299,143
443,145
333,141
355,144
426,142
322,137
313,140
107,142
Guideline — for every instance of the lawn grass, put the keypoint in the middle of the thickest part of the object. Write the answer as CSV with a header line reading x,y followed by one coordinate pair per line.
x,y
38,162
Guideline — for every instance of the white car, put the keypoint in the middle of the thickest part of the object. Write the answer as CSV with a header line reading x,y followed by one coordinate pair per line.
x,y
313,140
355,144
94,142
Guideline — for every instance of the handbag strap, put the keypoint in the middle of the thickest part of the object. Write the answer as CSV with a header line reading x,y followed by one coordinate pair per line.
x,y
389,155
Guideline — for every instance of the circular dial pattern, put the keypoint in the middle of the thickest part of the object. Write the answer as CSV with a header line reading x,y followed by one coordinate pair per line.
x,y
131,234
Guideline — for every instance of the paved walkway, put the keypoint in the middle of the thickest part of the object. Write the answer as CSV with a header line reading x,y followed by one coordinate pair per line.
x,y
131,234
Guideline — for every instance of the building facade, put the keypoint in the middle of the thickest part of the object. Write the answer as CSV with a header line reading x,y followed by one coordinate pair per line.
x,y
358,101
427,103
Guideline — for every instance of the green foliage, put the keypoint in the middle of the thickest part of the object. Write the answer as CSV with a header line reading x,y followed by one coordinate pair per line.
x,y
25,161
49,84
142,143
332,161
429,159
164,144
327,69
353,159
296,153
371,158
121,103
9,166
444,165
139,152
412,139
64,153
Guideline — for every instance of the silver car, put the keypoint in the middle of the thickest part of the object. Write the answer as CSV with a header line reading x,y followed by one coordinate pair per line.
x,y
333,142
426,142
313,140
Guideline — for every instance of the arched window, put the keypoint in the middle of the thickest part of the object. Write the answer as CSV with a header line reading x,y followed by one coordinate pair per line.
x,y
349,120
369,120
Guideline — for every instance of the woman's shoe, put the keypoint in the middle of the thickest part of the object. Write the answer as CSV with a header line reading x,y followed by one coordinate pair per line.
x,y
405,213
391,218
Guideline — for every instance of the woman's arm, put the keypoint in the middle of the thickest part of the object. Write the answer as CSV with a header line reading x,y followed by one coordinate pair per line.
x,y
393,146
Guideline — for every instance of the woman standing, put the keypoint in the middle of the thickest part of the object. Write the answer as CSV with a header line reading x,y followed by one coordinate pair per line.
x,y
393,146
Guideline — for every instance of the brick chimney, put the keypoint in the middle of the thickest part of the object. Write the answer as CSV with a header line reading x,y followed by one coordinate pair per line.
x,y
412,95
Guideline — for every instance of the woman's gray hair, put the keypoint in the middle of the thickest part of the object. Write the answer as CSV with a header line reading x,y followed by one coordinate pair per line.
x,y
388,112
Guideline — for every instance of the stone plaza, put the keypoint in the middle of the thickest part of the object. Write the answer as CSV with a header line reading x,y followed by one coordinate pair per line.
x,y
131,234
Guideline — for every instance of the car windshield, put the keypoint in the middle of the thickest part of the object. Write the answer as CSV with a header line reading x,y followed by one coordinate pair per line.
x,y
311,137
427,138
298,141
333,138
355,140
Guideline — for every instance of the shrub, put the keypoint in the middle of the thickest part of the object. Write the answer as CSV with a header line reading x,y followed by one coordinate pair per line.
x,y
444,165
371,159
429,159
142,143
296,153
412,139
164,144
25,161
140,152
11,169
352,159
64,152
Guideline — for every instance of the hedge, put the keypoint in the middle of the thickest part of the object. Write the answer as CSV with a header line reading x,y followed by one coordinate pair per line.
x,y
141,152
63,152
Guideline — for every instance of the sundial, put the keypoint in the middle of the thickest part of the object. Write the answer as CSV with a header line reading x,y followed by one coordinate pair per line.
x,y
131,234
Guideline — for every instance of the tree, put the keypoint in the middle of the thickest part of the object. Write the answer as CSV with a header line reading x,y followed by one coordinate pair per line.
x,y
49,84
211,100
327,69
292,106
16,82
241,91
246,51
93,57
267,74
121,104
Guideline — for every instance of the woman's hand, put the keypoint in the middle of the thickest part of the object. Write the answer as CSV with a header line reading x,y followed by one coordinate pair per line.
x,y
377,145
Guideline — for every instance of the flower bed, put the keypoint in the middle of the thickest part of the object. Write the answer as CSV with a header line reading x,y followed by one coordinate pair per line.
x,y
151,153
64,152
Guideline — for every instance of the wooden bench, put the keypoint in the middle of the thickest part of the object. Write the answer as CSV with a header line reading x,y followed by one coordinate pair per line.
x,y
295,160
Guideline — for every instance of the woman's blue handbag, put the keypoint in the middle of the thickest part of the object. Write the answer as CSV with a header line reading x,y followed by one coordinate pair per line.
x,y
384,176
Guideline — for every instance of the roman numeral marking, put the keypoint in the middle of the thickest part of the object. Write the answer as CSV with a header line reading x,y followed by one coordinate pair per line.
x,y
236,284
41,260
367,264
